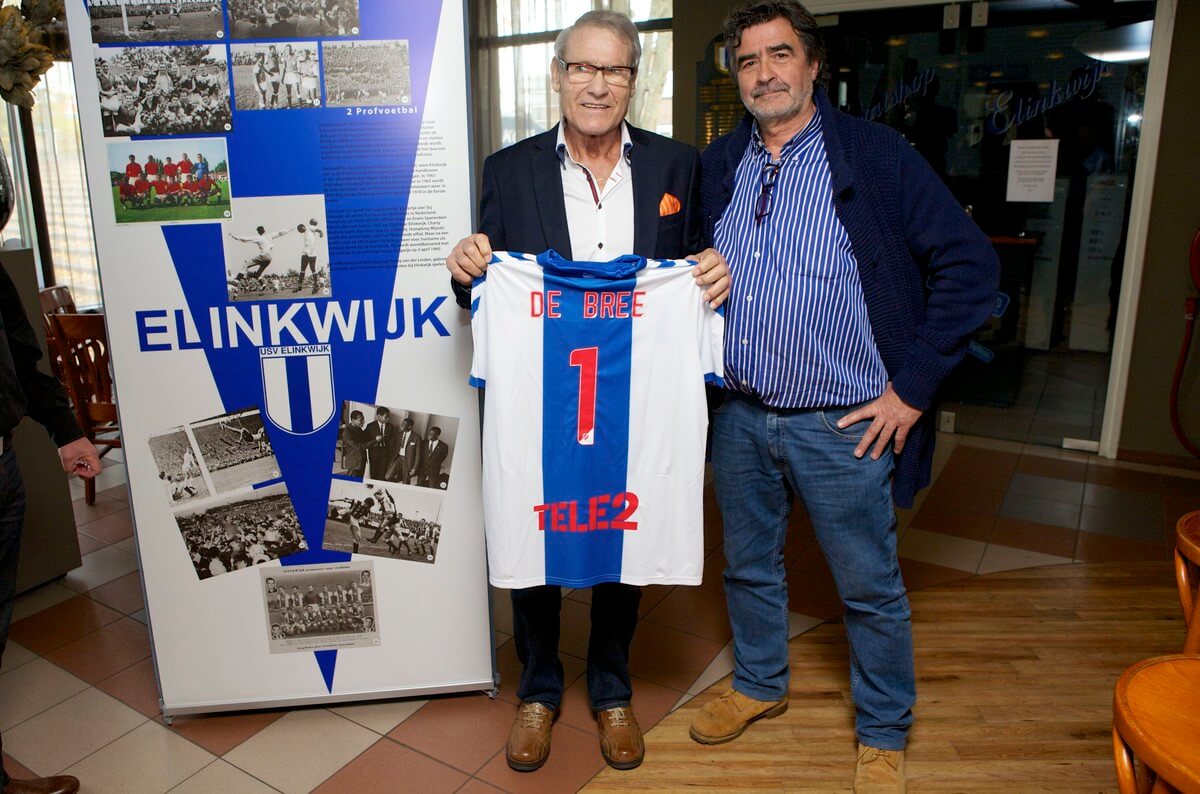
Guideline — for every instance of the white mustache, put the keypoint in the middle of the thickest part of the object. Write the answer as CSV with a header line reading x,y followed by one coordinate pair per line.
x,y
770,87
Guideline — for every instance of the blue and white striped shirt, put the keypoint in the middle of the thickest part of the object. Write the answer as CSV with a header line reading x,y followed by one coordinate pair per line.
x,y
797,331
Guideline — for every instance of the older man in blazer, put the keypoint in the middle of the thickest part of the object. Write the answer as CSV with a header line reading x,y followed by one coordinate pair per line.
x,y
592,188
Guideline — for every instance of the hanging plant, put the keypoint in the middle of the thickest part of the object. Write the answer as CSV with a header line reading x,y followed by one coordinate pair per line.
x,y
27,34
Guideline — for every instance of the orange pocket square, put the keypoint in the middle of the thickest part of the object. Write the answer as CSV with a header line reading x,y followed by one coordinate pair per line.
x,y
668,205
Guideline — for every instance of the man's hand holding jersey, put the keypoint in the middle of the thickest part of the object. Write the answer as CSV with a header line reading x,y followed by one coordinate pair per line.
x,y
470,258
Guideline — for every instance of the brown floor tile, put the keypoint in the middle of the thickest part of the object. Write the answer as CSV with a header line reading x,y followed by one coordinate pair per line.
x,y
1096,547
813,593
477,786
387,761
575,626
1032,536
950,493
1117,477
123,595
583,595
117,493
652,596
800,534
957,520
1183,487
88,544
982,469
463,730
651,703
811,559
1037,465
714,527
105,652
1142,524
16,769
1176,506
135,687
669,657
220,733
698,610
917,574
574,760
510,670
1110,498
62,623
85,513
112,528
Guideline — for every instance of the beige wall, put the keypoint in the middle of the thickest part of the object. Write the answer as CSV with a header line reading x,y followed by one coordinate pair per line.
x,y
1174,216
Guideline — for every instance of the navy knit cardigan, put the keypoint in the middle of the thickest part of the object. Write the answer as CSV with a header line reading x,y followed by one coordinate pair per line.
x,y
928,273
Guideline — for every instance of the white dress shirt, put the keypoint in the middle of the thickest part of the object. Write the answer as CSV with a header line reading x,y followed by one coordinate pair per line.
x,y
600,221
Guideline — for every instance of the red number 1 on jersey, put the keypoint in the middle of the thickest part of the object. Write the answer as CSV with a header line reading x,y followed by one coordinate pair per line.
x,y
587,359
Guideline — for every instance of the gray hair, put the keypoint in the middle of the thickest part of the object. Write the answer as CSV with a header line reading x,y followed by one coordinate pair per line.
x,y
612,21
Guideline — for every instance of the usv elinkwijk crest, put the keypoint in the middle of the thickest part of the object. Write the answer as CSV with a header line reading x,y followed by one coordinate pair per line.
x,y
298,387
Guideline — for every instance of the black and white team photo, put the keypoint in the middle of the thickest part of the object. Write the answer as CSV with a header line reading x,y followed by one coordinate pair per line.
x,y
320,606
178,466
396,523
397,445
292,19
364,73
179,90
240,530
236,450
276,76
277,248
120,21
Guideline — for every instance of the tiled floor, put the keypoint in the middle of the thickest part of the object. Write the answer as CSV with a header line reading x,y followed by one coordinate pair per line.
x,y
77,690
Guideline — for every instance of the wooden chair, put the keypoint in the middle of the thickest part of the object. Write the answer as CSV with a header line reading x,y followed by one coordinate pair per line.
x,y
1156,718
1187,576
55,300
83,345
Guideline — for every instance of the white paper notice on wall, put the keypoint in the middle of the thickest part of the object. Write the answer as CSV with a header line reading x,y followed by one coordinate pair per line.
x,y
1031,167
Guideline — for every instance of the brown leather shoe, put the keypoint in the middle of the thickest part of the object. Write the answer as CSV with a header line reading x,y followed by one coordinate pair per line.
x,y
879,771
60,784
726,718
529,738
621,741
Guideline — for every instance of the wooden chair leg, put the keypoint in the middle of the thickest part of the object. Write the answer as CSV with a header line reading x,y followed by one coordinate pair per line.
x,y
1126,777
1183,581
89,491
1191,643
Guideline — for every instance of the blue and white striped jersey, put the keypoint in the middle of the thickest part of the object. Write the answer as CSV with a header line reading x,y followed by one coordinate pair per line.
x,y
594,418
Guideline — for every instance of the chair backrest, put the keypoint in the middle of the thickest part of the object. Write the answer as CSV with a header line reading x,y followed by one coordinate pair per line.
x,y
83,346
55,300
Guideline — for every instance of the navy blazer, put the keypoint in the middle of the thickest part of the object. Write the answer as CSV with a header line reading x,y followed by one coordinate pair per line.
x,y
521,206
929,275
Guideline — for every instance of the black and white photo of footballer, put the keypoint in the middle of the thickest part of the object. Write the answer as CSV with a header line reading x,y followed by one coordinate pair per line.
x,y
397,445
241,530
178,466
314,607
120,21
364,73
394,523
277,248
292,19
163,90
276,76
236,450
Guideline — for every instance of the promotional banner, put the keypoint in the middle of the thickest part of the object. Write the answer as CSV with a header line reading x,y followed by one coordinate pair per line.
x,y
274,187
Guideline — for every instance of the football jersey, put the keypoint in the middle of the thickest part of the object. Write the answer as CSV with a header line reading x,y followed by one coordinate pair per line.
x,y
594,418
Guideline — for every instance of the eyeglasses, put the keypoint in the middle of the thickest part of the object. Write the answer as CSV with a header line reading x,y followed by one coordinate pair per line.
x,y
767,177
621,76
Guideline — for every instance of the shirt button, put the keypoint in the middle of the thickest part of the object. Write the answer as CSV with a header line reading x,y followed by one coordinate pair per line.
x,y
745,341
599,245
599,206
756,254
749,297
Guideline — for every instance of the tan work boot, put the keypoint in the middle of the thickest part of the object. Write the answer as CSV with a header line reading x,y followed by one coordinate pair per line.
x,y
621,741
727,717
879,771
529,737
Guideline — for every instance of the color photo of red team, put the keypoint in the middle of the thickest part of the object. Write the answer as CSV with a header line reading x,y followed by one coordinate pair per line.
x,y
120,21
292,19
363,73
320,607
164,181
396,523
178,90
241,530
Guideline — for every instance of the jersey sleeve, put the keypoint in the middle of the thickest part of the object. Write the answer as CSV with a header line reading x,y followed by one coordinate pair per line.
x,y
712,344
479,330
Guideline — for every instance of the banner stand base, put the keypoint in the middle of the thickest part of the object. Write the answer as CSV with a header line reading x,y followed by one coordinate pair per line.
x,y
487,686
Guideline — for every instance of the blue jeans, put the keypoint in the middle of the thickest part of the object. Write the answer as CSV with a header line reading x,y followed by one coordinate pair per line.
x,y
761,458
12,514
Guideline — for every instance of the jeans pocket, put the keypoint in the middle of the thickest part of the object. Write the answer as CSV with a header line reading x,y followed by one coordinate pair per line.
x,y
854,432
